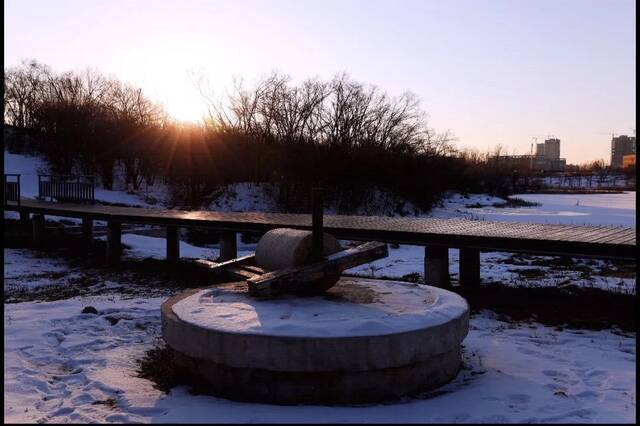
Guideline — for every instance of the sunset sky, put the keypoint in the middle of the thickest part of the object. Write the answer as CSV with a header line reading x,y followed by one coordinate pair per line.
x,y
492,72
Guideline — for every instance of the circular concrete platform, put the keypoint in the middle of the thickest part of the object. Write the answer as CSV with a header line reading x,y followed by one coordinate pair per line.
x,y
362,341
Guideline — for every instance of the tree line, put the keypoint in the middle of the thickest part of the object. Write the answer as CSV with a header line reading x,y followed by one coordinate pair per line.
x,y
347,136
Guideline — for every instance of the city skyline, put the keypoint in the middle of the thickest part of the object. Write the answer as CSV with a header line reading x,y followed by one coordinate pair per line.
x,y
493,73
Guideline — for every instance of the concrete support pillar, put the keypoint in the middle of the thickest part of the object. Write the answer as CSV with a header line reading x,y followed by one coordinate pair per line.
x,y
173,244
87,232
37,230
114,244
436,266
228,246
469,266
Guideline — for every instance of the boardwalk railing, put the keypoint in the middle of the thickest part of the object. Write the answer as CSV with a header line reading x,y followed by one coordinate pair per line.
x,y
66,188
11,190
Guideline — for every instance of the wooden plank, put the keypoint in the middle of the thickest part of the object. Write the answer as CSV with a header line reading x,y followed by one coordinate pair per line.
x,y
242,273
565,231
253,268
596,234
631,239
285,279
218,267
626,238
612,236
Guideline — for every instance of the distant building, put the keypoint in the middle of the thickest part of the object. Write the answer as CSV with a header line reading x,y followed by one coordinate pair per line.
x,y
552,149
628,161
546,159
528,163
620,146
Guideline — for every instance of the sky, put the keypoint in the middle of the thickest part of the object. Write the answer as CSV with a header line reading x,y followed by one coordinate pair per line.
x,y
493,72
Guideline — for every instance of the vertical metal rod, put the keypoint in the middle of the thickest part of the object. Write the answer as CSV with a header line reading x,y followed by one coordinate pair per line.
x,y
228,246
37,233
317,208
87,233
173,244
469,261
114,243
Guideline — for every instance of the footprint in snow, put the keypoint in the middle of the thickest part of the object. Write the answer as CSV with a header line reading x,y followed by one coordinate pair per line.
x,y
588,394
518,402
553,373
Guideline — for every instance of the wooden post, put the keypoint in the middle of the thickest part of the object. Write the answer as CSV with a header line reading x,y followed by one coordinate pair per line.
x,y
317,224
24,219
37,229
469,266
228,246
87,232
114,245
173,244
436,266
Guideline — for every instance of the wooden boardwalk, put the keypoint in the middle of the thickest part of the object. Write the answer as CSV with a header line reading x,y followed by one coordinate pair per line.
x,y
573,240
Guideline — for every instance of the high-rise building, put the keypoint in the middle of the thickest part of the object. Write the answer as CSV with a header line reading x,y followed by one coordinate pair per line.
x,y
552,149
540,149
620,146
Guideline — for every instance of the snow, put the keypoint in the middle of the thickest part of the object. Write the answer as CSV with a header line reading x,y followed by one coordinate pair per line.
x,y
60,363
141,247
65,366
30,166
245,197
26,269
146,247
407,262
248,196
21,262
397,307
571,209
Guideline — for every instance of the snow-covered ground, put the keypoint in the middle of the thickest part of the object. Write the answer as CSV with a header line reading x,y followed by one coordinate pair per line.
x,y
62,365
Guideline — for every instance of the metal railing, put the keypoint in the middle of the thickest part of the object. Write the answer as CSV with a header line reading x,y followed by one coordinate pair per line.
x,y
66,188
11,190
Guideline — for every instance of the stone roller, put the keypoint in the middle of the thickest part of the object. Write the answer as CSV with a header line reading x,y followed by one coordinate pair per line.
x,y
282,248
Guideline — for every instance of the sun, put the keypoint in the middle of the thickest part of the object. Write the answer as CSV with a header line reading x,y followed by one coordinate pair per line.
x,y
185,109
181,100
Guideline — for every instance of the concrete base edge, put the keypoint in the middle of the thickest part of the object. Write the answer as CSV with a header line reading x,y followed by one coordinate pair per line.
x,y
278,387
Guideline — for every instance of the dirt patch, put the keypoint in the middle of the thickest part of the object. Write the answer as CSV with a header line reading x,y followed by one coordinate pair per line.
x,y
529,273
111,403
515,202
157,365
353,293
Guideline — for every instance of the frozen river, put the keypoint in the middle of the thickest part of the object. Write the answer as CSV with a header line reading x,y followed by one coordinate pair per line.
x,y
577,209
